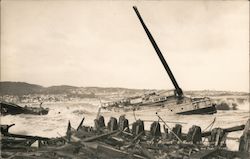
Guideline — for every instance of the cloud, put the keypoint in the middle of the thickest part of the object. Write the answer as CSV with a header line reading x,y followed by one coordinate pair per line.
x,y
103,44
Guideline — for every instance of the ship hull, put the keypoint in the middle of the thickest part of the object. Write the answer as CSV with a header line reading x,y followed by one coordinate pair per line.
x,y
185,108
206,110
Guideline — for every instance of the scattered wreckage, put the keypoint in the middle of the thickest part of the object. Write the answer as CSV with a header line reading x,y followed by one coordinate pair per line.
x,y
14,109
120,139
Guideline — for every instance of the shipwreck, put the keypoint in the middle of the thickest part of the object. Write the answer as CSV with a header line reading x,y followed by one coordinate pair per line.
x,y
172,101
14,109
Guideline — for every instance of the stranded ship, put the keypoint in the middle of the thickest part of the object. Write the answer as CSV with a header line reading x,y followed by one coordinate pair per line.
x,y
171,101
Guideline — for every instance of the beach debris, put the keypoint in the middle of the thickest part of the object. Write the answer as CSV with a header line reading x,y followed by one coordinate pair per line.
x,y
118,139
245,139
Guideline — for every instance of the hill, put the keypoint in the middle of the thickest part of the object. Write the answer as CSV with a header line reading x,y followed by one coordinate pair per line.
x,y
22,88
19,88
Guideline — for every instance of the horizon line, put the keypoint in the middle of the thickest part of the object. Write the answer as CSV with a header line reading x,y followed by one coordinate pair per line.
x,y
122,87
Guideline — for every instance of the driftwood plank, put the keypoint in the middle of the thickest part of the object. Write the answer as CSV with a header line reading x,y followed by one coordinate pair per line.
x,y
203,154
115,153
92,138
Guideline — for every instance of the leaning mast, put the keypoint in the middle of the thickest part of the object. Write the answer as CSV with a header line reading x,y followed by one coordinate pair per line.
x,y
158,51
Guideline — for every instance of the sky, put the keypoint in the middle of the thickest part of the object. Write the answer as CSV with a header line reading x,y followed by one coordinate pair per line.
x,y
102,43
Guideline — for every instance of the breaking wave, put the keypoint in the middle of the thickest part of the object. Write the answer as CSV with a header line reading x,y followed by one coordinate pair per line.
x,y
232,103
54,124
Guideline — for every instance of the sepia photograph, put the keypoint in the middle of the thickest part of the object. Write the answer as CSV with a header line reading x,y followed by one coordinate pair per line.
x,y
137,79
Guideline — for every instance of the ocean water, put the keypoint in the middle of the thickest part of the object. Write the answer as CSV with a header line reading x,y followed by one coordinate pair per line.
x,y
55,123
